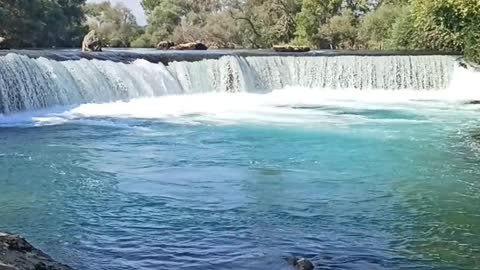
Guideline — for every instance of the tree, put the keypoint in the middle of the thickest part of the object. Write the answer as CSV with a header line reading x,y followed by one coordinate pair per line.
x,y
340,31
375,29
149,5
449,25
42,23
116,25
163,17
313,14
71,30
445,24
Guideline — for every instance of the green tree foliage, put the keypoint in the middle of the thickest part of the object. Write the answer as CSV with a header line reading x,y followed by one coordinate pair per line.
x,y
375,29
149,5
402,34
313,14
237,23
164,16
116,25
273,20
339,24
447,25
316,23
340,31
451,25
42,23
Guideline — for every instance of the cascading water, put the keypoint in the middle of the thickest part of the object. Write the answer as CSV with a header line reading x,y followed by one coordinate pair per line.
x,y
29,84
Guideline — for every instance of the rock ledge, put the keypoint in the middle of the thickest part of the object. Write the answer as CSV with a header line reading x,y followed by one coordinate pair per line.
x,y
17,254
290,48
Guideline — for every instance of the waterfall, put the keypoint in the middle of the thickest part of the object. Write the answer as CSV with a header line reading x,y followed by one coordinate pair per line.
x,y
34,83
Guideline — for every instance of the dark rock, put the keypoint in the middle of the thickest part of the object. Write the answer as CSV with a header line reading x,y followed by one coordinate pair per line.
x,y
300,263
463,65
3,44
473,102
165,45
17,254
304,264
191,46
91,42
290,48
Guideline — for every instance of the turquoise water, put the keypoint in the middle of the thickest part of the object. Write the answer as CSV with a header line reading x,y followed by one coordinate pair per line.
x,y
242,181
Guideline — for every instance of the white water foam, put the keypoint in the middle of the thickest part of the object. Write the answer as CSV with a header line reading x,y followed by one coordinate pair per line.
x,y
290,106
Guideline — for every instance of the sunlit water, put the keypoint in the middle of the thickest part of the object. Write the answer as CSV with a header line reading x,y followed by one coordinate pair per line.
x,y
352,180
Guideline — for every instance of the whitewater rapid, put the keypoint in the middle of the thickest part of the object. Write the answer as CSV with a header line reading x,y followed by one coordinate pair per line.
x,y
291,106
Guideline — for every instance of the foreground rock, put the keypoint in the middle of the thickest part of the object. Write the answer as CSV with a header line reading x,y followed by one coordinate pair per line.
x,y
290,48
165,45
191,46
17,254
91,42
301,263
3,44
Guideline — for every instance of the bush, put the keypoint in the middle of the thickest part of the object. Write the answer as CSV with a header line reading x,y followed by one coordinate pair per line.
x,y
144,41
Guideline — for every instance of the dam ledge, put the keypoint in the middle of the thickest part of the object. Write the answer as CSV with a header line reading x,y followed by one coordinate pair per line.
x,y
165,57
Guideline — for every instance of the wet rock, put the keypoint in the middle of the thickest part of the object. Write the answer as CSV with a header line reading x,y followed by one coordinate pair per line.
x,y
3,44
165,45
300,263
290,48
463,63
17,254
473,102
91,42
191,46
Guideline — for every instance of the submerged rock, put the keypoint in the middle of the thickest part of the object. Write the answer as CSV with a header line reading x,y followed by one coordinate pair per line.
x,y
17,254
165,45
91,42
191,46
300,263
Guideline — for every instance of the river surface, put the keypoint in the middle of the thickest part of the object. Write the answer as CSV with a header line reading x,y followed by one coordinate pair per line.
x,y
351,180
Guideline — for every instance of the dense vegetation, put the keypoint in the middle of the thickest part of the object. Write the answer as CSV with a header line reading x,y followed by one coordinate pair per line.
x,y
116,25
446,25
42,23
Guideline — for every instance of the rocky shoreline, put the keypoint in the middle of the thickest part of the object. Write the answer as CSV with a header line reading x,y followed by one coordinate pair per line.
x,y
17,254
